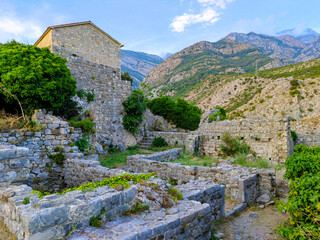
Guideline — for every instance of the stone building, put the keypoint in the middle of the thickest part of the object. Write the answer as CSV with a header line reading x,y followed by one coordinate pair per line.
x,y
94,60
84,39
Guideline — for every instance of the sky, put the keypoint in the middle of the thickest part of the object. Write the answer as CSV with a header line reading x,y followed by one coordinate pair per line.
x,y
158,26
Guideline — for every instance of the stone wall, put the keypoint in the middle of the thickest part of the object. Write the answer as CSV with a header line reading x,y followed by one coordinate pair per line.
x,y
51,132
189,220
178,139
206,192
85,40
308,139
110,91
14,164
270,139
78,172
241,184
54,216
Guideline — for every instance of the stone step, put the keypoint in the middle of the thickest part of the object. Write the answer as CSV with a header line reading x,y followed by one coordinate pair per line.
x,y
162,224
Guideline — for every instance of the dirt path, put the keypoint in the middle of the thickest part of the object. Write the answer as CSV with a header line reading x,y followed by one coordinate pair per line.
x,y
254,222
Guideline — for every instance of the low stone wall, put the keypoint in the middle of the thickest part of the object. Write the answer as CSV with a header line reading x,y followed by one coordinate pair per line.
x,y
189,220
54,216
270,139
205,191
51,132
308,139
163,156
78,172
188,140
241,184
14,164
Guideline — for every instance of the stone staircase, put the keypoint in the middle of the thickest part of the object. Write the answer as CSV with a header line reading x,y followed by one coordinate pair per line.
x,y
146,142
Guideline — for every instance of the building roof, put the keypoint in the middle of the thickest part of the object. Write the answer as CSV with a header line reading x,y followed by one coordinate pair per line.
x,y
77,24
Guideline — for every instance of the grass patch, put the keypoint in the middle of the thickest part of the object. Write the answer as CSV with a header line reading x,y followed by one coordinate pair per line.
x,y
5,233
119,159
243,161
191,160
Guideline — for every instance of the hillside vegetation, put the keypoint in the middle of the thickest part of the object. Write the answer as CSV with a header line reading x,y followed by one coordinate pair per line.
x,y
183,71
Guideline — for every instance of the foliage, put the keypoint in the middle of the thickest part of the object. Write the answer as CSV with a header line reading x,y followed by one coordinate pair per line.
x,y
303,201
96,221
26,201
89,95
294,135
126,77
242,160
68,110
58,158
123,180
134,108
221,113
113,149
132,148
83,144
175,193
232,146
181,113
137,208
37,77
86,125
159,142
303,160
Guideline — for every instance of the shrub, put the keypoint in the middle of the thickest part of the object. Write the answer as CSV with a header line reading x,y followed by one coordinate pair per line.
x,y
134,108
58,158
126,77
86,125
137,208
303,203
222,115
232,146
26,201
83,144
37,77
181,113
294,135
159,142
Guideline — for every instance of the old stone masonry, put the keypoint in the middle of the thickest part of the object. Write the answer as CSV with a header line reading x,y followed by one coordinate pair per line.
x,y
69,215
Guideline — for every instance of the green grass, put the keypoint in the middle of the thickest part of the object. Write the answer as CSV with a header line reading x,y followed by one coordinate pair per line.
x,y
190,160
119,159
257,163
241,160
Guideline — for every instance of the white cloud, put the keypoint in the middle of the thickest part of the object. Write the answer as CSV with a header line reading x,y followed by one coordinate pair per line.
x,y
209,14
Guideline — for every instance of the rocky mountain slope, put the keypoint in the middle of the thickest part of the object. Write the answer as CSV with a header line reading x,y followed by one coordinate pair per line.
x,y
306,36
138,64
179,73
290,91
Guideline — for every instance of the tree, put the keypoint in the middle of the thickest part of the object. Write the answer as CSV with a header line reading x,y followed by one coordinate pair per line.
x,y
35,76
126,76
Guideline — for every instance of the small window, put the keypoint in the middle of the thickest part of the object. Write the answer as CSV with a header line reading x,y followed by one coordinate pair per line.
x,y
218,137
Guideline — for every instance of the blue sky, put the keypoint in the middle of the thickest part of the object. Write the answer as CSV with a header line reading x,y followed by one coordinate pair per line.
x,y
158,26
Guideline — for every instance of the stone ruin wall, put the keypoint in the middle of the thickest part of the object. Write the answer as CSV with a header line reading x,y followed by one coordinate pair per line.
x,y
270,139
54,216
241,184
52,132
110,91
308,132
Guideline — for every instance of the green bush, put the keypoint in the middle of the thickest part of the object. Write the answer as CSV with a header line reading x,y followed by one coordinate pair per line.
x,y
159,142
134,108
37,77
294,135
222,115
86,125
58,158
303,203
126,77
303,160
83,144
232,146
181,113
